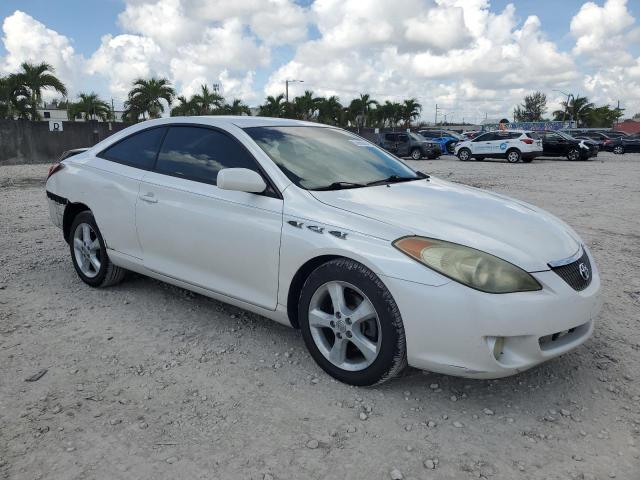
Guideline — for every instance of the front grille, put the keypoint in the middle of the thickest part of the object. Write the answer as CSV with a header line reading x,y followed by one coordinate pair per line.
x,y
577,274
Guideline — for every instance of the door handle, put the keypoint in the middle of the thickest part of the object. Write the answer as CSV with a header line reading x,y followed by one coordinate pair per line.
x,y
149,197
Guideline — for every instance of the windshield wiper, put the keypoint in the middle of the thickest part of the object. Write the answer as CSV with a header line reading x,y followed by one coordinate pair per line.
x,y
340,186
393,179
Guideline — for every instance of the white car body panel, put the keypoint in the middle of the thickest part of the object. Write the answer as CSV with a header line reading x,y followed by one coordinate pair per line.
x,y
464,215
246,249
205,221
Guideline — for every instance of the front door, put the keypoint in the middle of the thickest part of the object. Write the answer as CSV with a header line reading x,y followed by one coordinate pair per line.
x,y
403,145
225,241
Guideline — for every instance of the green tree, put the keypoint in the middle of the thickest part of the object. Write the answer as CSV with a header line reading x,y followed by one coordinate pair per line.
x,y
90,107
146,98
603,117
236,107
532,109
208,102
14,97
361,109
273,107
185,107
329,110
578,109
35,78
306,106
410,110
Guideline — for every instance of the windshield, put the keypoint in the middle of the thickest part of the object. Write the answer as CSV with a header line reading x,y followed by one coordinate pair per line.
x,y
416,137
319,157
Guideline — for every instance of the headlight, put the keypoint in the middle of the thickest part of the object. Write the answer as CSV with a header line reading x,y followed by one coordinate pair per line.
x,y
469,266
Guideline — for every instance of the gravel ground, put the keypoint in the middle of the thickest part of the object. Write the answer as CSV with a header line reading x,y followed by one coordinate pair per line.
x,y
145,380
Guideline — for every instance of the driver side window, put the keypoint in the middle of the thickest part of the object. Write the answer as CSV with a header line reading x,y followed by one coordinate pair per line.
x,y
198,154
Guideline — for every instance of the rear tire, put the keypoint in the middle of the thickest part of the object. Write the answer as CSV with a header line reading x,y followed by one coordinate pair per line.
x,y
89,253
618,149
351,346
514,155
464,154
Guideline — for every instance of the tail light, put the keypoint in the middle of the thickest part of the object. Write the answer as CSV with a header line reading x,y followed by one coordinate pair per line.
x,y
56,167
528,141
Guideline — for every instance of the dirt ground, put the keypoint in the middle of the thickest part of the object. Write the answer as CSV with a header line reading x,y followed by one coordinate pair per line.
x,y
145,380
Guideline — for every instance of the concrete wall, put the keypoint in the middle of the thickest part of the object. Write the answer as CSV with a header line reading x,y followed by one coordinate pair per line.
x,y
23,141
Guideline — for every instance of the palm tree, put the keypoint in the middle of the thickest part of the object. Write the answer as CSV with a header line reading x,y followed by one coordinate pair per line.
x,y
306,106
410,110
14,97
237,107
361,109
36,78
207,102
273,107
90,107
329,110
185,107
146,97
578,109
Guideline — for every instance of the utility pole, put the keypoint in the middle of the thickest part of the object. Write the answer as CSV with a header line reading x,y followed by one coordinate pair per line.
x,y
286,87
435,121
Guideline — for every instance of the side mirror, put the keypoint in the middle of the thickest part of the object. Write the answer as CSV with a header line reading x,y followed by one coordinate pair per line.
x,y
241,180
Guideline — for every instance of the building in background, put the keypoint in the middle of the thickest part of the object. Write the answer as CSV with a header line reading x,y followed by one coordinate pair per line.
x,y
53,112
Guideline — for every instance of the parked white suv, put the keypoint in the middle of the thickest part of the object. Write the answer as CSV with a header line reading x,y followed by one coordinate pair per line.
x,y
514,145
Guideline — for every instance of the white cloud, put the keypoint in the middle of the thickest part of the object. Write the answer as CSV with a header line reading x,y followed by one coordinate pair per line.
x,y
125,58
461,54
40,44
452,52
602,33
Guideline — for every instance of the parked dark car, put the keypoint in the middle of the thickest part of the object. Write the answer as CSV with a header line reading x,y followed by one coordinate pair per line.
x,y
559,144
624,144
604,141
407,144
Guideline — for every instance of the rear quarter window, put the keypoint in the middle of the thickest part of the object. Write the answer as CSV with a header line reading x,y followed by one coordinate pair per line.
x,y
138,150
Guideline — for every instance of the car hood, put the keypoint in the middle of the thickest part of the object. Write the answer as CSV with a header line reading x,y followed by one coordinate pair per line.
x,y
515,231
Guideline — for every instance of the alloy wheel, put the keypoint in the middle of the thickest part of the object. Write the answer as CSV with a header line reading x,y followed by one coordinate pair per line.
x,y
513,157
86,248
345,326
618,149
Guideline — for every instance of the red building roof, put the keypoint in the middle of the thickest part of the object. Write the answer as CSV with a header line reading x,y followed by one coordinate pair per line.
x,y
628,126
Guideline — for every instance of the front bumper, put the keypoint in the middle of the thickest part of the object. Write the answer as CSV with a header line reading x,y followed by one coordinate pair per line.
x,y
450,329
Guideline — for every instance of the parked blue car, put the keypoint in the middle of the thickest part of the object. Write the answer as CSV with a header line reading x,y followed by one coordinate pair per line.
x,y
445,138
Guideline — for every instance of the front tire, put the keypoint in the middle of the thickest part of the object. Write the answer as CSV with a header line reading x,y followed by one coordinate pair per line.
x,y
513,155
573,155
416,154
351,324
89,253
464,154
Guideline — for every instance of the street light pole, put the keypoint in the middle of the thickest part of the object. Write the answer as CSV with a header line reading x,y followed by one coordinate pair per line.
x,y
286,87
564,114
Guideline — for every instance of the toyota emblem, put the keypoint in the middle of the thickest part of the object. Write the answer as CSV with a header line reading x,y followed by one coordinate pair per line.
x,y
584,271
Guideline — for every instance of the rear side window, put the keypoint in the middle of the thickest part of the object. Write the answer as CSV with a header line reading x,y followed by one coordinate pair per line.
x,y
389,137
403,138
199,154
138,150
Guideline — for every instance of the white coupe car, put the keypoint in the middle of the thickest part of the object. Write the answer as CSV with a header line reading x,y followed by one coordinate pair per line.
x,y
314,227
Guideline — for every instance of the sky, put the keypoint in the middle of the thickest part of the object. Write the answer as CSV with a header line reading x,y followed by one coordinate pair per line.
x,y
473,58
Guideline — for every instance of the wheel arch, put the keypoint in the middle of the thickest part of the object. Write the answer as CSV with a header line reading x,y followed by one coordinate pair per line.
x,y
300,277
70,213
